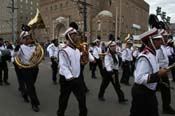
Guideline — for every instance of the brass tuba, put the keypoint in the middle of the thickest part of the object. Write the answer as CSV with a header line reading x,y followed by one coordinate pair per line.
x,y
38,54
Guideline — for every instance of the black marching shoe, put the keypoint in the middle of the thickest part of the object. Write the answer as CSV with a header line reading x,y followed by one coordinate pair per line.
x,y
169,111
6,83
35,108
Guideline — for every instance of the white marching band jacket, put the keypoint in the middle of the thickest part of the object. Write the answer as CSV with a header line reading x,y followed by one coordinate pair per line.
x,y
25,52
146,65
127,55
162,57
109,62
69,62
53,51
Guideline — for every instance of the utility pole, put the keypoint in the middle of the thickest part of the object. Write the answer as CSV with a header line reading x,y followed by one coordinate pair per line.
x,y
12,7
85,16
83,9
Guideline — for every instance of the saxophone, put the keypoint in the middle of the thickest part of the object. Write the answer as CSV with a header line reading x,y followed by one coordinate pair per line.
x,y
83,47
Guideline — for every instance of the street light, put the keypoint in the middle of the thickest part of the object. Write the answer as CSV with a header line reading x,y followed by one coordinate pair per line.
x,y
168,19
84,4
158,10
163,15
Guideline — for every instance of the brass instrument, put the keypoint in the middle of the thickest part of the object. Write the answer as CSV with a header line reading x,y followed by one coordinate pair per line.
x,y
102,55
83,47
127,37
38,55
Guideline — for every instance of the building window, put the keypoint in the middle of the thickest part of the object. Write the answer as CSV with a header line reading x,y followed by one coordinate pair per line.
x,y
55,7
21,0
51,8
27,1
31,2
61,5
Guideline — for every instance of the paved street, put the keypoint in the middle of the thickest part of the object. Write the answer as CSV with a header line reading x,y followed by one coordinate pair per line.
x,y
12,104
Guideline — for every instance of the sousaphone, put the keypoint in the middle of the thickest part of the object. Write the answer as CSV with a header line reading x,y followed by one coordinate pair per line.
x,y
38,54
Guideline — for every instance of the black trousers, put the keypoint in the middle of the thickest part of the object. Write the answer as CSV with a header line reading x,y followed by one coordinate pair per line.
x,y
115,82
3,68
29,76
54,67
100,66
19,78
171,61
165,93
75,86
144,101
126,72
82,77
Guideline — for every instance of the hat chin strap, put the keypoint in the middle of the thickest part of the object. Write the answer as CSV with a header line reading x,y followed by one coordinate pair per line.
x,y
71,40
152,43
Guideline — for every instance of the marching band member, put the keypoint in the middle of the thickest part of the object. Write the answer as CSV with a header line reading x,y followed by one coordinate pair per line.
x,y
3,65
146,76
165,90
95,52
28,75
171,55
126,62
70,80
111,64
53,54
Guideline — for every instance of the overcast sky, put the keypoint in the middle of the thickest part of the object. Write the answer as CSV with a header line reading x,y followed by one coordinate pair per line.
x,y
168,6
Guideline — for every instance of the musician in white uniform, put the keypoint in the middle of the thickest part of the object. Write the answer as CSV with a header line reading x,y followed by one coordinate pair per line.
x,y
111,64
3,65
171,55
70,80
95,52
165,86
127,59
28,75
52,49
146,77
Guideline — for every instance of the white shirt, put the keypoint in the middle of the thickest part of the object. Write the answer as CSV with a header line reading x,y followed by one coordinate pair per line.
x,y
145,65
127,55
109,62
2,47
91,58
69,62
52,50
96,51
162,57
169,50
25,52
136,53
